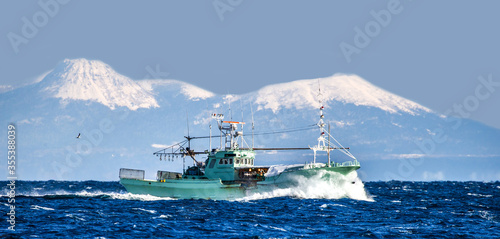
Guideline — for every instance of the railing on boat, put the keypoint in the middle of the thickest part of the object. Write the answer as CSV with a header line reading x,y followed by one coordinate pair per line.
x,y
345,164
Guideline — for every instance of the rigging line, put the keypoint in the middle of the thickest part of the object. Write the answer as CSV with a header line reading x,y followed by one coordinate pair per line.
x,y
264,133
205,137
343,150
296,128
285,131
171,146
347,153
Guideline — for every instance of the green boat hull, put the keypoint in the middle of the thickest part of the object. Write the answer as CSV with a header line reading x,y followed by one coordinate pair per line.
x,y
195,188
185,188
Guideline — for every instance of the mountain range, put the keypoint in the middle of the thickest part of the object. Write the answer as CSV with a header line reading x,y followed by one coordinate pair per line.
x,y
123,121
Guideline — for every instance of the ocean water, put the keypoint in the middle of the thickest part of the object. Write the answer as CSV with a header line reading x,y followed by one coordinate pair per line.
x,y
91,209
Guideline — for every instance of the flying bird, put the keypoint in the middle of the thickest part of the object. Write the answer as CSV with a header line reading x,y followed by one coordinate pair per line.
x,y
78,136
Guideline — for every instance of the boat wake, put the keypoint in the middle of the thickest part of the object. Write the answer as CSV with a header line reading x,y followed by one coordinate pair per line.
x,y
62,194
323,185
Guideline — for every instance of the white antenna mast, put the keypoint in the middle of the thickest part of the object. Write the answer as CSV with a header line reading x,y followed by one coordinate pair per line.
x,y
187,122
219,118
321,139
241,106
253,127
230,111
210,137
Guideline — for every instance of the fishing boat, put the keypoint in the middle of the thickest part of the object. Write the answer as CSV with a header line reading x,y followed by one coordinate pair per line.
x,y
229,172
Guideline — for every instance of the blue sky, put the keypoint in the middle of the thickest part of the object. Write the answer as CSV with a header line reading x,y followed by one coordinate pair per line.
x,y
430,52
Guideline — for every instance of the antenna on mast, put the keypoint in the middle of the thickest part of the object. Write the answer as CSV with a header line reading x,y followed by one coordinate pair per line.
x,y
210,126
229,103
219,118
187,123
321,124
189,145
253,127
210,138
241,106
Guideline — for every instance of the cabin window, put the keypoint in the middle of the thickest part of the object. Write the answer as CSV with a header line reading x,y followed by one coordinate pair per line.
x,y
212,163
246,161
221,161
237,161
226,161
251,161
230,161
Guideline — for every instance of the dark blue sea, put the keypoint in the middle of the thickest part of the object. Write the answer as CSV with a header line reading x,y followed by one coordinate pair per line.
x,y
90,209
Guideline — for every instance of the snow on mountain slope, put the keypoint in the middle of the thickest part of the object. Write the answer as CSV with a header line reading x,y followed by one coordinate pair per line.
x,y
5,88
190,91
92,80
344,88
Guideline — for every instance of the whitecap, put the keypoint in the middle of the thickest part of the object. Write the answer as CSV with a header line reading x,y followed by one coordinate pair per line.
x,y
163,216
145,210
324,185
36,207
479,195
75,217
278,228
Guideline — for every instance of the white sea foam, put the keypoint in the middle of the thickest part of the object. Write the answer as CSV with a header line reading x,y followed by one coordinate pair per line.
x,y
145,210
36,207
277,169
327,185
97,193
278,228
486,215
479,195
75,217
139,197
332,205
163,216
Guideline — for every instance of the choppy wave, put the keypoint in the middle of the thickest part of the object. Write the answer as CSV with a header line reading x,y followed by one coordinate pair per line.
x,y
323,185
69,190
61,194
36,207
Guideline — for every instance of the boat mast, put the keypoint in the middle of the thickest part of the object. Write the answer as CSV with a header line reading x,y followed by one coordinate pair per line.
x,y
241,138
321,124
328,152
219,118
253,127
210,138
187,123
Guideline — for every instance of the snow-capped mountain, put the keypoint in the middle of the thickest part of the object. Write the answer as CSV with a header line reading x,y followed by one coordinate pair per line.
x,y
86,80
122,121
190,91
95,81
342,88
